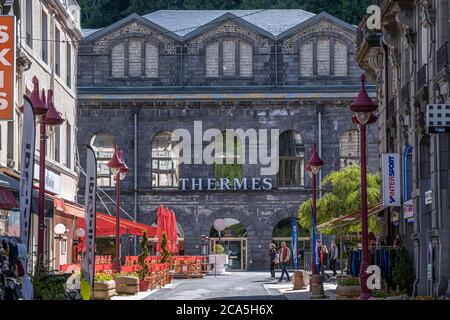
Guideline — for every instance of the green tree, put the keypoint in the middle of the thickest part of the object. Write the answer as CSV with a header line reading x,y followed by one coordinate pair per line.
x,y
165,252
100,13
344,198
142,256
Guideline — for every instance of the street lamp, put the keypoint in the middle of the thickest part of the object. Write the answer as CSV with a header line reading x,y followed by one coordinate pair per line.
x,y
52,118
312,168
363,107
119,169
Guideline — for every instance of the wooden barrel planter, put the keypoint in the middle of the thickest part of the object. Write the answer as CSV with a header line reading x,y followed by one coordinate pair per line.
x,y
104,290
347,292
127,285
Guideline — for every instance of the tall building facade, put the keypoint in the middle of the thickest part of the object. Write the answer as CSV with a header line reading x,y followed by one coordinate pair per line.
x,y
47,34
408,59
144,78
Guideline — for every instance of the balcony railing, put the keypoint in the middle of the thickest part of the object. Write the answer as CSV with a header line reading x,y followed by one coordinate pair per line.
x,y
442,57
405,94
422,77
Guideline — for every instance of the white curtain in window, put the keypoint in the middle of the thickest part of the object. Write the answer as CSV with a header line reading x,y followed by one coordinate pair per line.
x,y
323,56
118,61
229,57
151,60
212,60
306,59
340,59
245,59
135,58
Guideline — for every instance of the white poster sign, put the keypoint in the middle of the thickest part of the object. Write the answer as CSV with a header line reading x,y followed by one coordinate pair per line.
x,y
391,179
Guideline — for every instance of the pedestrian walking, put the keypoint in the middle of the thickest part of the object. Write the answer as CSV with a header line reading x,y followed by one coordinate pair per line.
x,y
285,257
273,258
333,257
323,252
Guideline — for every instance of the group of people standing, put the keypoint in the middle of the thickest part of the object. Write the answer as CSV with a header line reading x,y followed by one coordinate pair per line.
x,y
283,258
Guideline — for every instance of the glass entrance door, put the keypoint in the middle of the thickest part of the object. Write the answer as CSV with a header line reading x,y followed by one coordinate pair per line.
x,y
236,249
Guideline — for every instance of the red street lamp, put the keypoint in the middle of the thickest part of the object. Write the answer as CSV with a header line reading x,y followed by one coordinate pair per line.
x,y
363,107
52,118
119,170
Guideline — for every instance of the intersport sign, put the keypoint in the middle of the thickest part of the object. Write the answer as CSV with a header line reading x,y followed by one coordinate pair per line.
x,y
391,179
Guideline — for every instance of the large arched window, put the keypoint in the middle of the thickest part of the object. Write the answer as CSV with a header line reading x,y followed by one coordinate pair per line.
x,y
349,148
292,159
134,58
165,164
103,145
226,157
228,57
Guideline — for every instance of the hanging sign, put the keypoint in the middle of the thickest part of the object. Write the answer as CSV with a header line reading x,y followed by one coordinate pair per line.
x,y
438,118
391,179
7,66
408,209
428,197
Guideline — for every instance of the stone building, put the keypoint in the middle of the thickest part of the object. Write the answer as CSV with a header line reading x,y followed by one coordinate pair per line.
x,y
142,78
47,35
408,59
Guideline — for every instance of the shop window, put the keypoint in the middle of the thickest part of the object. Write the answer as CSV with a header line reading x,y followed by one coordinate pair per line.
x,y
292,159
103,145
349,149
165,162
229,57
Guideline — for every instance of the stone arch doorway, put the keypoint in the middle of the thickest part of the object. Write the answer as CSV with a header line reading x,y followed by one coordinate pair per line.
x,y
234,242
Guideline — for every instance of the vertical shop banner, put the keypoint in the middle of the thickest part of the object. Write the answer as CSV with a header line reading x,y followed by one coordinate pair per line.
x,y
90,210
294,242
26,170
314,239
391,179
7,66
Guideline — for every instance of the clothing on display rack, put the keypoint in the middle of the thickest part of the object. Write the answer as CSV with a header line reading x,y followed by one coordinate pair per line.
x,y
12,262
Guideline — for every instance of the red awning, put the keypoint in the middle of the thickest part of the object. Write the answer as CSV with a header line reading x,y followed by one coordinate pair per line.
x,y
7,200
106,226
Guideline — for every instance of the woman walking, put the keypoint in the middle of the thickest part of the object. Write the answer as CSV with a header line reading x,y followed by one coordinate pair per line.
x,y
273,256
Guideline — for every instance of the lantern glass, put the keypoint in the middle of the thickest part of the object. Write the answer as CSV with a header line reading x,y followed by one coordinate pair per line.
x,y
363,117
315,169
115,171
122,175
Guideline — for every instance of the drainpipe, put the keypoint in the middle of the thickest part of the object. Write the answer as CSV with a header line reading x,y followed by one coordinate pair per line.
x,y
320,151
135,116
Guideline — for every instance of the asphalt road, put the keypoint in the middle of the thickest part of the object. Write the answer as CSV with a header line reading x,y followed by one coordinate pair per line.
x,y
233,286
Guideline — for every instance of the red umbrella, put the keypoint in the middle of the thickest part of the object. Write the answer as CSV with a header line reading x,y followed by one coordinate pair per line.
x,y
174,233
167,229
160,226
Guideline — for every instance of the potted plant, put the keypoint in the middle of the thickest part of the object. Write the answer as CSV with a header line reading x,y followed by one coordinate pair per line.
x,y
348,289
127,283
165,255
47,286
219,259
143,271
104,287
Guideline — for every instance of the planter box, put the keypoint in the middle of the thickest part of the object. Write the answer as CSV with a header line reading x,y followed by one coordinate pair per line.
x,y
347,292
220,260
127,285
104,290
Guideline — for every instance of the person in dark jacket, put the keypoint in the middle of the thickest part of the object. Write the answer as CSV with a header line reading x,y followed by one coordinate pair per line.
x,y
273,256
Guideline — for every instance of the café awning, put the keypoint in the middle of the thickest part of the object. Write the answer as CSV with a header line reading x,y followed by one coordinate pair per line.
x,y
7,199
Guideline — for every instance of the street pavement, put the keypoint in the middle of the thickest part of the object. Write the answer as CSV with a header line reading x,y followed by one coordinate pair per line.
x,y
234,286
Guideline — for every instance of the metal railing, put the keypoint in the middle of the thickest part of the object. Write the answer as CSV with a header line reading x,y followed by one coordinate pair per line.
x,y
442,57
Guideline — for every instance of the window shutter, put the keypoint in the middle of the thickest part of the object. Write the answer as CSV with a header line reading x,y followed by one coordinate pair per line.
x,y
245,59
340,59
212,60
229,57
323,57
118,61
135,58
151,60
306,59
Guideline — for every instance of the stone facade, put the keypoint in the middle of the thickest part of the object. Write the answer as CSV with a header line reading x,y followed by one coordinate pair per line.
x,y
275,97
408,59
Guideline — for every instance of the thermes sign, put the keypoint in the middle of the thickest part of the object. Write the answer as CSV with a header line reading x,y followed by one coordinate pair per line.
x,y
391,179
7,66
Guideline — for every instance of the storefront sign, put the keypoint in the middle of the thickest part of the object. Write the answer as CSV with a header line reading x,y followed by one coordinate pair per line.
x,y
225,184
438,118
428,197
408,209
52,179
394,216
391,179
7,66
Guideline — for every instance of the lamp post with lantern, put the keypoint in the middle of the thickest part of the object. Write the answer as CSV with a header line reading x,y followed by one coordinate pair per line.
x,y
119,169
363,107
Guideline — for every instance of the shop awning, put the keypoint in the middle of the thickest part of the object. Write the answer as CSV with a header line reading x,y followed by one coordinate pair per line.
x,y
7,199
350,218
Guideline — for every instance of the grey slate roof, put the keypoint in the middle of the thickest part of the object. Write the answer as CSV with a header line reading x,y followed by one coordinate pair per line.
x,y
88,32
274,21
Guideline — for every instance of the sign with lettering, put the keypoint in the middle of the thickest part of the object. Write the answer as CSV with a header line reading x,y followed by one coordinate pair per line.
x,y
52,179
7,66
438,118
225,184
391,179
408,209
